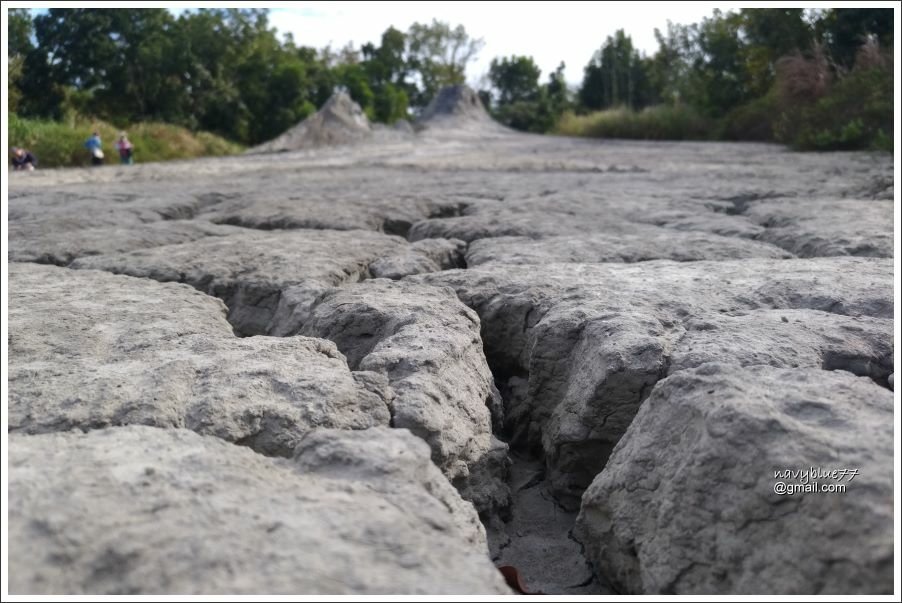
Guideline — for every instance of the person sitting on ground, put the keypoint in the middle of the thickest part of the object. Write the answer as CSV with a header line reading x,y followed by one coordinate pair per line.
x,y
125,148
23,160
95,146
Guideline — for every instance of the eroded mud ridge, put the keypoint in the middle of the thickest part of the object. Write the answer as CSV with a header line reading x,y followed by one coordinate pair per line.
x,y
392,360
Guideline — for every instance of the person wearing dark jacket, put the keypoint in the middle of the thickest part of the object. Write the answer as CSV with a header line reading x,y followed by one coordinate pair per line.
x,y
23,160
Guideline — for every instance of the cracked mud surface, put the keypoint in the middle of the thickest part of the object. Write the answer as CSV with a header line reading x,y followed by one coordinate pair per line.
x,y
603,348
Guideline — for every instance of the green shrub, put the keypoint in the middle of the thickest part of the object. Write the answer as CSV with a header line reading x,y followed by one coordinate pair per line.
x,y
856,113
528,116
754,120
652,123
61,144
823,111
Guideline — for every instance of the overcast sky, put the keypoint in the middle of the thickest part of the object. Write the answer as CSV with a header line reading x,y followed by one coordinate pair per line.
x,y
550,32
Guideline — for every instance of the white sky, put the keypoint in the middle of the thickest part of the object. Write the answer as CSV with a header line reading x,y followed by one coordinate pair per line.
x,y
550,32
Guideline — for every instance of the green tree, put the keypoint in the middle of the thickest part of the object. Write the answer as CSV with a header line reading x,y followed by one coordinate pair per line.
x,y
768,34
14,76
437,56
669,68
718,70
272,85
557,89
520,101
18,46
844,30
18,41
514,79
353,78
117,58
386,71
615,76
387,63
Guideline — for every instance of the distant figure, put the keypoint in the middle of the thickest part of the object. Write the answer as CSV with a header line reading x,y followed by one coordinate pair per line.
x,y
125,148
95,146
23,161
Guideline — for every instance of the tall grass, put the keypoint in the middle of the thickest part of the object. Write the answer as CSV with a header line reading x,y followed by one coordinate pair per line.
x,y
652,123
61,144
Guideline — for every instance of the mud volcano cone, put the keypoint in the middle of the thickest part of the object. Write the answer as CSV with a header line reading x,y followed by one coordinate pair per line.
x,y
339,121
459,108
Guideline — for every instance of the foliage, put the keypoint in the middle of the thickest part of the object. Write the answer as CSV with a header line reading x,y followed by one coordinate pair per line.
x,y
222,70
18,45
615,76
854,111
787,74
652,123
439,55
814,79
61,144
515,79
845,30
18,41
14,76
751,121
518,100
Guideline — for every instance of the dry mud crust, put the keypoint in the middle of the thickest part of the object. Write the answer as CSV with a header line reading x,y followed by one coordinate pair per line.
x,y
576,348
166,511
427,345
599,270
689,502
91,349
250,270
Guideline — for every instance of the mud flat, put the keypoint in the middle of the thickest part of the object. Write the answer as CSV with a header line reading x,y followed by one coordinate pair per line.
x,y
369,360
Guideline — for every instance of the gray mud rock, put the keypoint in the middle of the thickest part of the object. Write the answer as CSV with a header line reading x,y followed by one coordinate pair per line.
x,y
789,339
387,212
427,344
643,244
422,257
818,228
114,204
57,226
155,511
577,347
89,349
249,271
687,502
60,246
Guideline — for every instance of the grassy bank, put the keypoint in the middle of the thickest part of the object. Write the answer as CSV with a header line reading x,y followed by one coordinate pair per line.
x,y
651,123
61,144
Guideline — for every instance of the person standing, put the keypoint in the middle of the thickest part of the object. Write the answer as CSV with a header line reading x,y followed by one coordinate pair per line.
x,y
95,146
125,148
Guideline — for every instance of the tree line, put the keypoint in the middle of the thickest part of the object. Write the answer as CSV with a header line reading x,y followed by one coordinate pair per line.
x,y
813,78
771,73
221,70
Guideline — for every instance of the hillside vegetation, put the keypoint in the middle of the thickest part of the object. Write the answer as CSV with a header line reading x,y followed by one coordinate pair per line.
x,y
61,143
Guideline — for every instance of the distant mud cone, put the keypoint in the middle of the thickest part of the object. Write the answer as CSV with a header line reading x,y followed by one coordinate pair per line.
x,y
339,121
459,108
